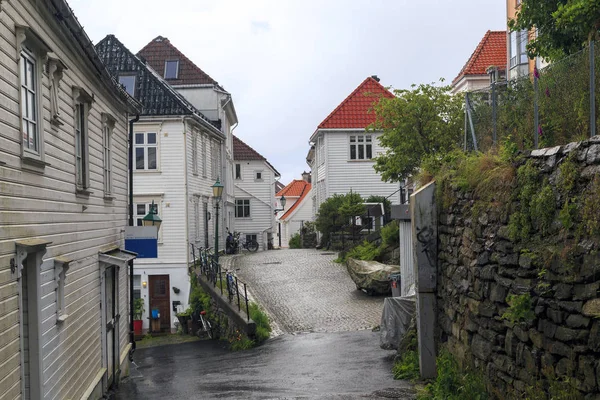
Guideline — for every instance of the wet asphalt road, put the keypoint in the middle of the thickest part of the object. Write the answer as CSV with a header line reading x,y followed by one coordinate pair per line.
x,y
335,355
348,365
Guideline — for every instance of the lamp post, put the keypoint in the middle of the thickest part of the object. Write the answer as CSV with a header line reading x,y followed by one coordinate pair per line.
x,y
282,201
217,193
152,218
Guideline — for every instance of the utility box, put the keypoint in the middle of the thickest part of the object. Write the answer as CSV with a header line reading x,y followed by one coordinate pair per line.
x,y
395,281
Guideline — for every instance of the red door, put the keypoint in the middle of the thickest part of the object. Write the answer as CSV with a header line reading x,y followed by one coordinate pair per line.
x,y
160,299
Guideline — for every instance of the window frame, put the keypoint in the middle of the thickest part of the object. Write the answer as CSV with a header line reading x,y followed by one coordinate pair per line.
x,y
238,171
31,45
146,146
258,178
147,202
246,205
176,69
194,153
60,276
128,75
108,126
362,144
204,166
518,44
81,110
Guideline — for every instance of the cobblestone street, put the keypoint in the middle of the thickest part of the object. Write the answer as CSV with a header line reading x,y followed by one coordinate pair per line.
x,y
305,291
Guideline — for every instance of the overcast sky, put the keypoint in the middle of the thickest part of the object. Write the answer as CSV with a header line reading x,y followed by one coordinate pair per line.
x,y
289,63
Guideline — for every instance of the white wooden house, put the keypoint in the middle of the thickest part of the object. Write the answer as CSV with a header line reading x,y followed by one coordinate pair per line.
x,y
177,160
298,208
342,150
254,179
210,98
64,296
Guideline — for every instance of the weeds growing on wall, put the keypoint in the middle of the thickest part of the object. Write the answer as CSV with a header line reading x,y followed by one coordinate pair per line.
x,y
520,308
263,327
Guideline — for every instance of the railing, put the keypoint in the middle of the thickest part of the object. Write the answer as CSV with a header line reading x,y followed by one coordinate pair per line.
x,y
235,289
548,107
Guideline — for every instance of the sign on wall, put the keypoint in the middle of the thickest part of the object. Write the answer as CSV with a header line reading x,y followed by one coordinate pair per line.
x,y
142,240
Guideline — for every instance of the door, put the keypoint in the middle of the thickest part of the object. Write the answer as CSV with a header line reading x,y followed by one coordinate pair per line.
x,y
111,318
160,299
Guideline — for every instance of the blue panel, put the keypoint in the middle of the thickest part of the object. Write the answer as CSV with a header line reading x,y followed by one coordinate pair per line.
x,y
145,248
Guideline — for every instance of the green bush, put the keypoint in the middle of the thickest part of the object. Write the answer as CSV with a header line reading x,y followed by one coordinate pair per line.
x,y
520,308
452,383
390,234
263,327
408,366
366,251
295,242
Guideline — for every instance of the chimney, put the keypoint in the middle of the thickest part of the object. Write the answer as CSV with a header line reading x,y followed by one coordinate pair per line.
x,y
375,77
306,176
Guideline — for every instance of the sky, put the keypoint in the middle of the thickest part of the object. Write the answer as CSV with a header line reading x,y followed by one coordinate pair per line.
x,y
289,63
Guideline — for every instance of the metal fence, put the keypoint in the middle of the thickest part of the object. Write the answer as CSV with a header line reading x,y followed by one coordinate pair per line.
x,y
553,106
207,266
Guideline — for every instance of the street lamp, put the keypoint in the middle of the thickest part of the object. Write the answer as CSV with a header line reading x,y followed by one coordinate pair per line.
x,y
282,200
217,193
152,218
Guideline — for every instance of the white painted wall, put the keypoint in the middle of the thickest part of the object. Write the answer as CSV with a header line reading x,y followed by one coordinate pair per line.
x,y
42,203
293,223
261,194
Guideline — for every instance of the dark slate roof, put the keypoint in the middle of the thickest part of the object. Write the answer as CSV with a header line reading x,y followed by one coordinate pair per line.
x,y
160,50
241,151
155,94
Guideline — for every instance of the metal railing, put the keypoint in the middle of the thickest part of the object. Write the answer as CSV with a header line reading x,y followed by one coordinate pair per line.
x,y
548,107
229,284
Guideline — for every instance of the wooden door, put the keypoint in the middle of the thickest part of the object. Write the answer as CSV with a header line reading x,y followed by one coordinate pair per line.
x,y
160,299
110,309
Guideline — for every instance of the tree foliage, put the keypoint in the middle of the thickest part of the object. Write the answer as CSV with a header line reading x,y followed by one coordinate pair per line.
x,y
416,123
563,26
337,213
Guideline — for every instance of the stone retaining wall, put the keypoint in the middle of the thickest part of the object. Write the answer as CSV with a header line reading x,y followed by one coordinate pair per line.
x,y
555,272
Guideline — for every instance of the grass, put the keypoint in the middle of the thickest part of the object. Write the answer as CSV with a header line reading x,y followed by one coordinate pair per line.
x,y
263,327
163,340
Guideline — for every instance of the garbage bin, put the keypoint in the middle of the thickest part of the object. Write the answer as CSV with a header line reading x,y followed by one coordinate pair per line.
x,y
395,282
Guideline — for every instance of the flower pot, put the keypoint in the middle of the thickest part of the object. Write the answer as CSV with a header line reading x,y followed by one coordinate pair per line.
x,y
137,326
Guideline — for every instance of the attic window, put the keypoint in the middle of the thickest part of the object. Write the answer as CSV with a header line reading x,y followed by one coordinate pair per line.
x,y
171,69
128,82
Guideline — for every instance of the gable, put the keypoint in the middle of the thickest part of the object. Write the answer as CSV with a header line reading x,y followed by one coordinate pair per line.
x,y
160,50
241,151
356,110
491,51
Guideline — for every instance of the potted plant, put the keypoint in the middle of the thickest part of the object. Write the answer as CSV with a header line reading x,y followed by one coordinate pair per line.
x,y
138,313
184,318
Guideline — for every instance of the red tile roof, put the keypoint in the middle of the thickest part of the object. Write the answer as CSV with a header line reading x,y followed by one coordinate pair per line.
x,y
293,189
160,50
491,51
355,111
241,151
296,188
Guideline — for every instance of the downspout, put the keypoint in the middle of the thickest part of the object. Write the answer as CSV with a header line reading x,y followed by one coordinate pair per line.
x,y
185,186
131,308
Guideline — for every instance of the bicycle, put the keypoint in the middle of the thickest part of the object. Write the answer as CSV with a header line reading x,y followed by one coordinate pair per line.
x,y
231,284
205,326
250,245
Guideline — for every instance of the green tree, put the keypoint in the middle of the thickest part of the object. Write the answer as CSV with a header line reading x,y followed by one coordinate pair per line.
x,y
423,121
387,205
563,26
338,213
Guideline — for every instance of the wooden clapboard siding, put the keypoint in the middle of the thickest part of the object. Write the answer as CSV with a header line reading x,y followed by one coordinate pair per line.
x,y
44,205
337,174
261,194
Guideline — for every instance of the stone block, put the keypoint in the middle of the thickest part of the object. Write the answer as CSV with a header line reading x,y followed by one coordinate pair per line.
x,y
562,291
571,306
488,309
509,259
521,334
586,292
506,282
555,316
593,154
483,258
558,348
488,272
498,293
547,362
481,348
547,328
536,338
510,343
577,321
488,334
564,367
521,285
594,339
525,261
590,171
592,308
586,367
503,363
566,334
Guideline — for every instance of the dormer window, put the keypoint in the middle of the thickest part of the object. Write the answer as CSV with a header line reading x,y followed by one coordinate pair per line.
x,y
128,82
171,69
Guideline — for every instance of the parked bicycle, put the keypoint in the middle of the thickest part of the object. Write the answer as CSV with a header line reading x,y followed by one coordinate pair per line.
x,y
249,244
205,326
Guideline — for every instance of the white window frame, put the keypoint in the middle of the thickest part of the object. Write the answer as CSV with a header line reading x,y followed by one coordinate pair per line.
x,y
194,153
257,178
108,125
176,69
214,160
358,142
32,48
243,203
146,146
517,48
137,285
197,218
60,275
204,155
81,110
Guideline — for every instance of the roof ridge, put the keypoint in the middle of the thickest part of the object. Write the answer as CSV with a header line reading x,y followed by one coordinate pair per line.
x,y
262,158
162,39
369,79
297,202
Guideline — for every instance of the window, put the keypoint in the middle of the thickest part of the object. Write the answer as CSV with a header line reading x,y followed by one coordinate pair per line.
x,y
137,287
361,147
238,171
242,208
32,51
145,151
171,69
251,237
197,218
141,209
204,156
60,274
258,176
215,159
518,48
107,130
128,81
83,103
194,153
29,102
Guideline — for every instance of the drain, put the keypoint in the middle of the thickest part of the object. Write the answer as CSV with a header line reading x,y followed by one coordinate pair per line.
x,y
272,263
327,254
